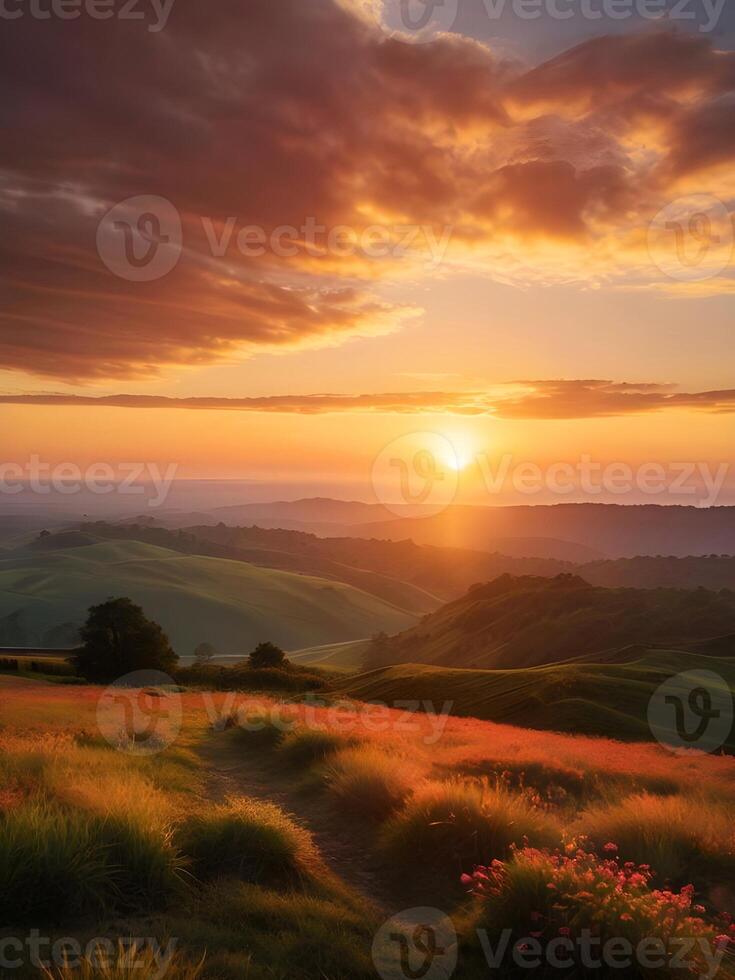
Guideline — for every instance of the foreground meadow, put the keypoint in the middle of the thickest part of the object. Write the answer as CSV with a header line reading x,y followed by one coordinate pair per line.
x,y
272,839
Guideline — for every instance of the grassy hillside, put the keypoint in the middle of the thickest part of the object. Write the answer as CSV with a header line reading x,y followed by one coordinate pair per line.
x,y
593,699
272,854
343,657
228,603
529,622
289,551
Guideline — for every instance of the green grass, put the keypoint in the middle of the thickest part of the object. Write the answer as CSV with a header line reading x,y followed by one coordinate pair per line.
x,y
369,783
231,604
670,833
57,862
447,828
252,840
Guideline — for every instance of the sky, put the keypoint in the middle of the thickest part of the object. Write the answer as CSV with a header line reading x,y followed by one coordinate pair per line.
x,y
287,240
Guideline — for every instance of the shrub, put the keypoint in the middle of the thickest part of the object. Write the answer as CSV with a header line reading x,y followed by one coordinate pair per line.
x,y
368,782
267,655
682,839
253,840
55,861
258,729
307,746
450,827
565,894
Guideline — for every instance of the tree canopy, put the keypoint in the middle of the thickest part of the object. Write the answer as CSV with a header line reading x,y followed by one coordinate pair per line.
x,y
267,655
118,639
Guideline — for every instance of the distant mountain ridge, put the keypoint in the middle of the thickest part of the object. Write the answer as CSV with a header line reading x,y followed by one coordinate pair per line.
x,y
565,531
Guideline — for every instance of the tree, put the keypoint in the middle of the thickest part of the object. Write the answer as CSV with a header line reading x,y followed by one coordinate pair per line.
x,y
204,653
267,655
118,639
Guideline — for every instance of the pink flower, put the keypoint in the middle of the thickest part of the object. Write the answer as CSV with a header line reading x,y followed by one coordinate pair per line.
x,y
610,848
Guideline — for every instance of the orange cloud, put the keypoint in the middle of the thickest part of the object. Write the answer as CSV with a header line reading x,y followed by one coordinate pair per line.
x,y
295,110
520,400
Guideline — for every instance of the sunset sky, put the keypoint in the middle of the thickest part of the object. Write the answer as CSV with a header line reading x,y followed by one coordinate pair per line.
x,y
534,257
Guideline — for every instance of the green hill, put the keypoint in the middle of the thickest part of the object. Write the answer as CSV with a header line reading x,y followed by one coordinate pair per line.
x,y
529,621
594,699
228,603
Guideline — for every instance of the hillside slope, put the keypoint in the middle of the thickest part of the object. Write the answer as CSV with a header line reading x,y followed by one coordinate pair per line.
x,y
530,621
228,603
593,699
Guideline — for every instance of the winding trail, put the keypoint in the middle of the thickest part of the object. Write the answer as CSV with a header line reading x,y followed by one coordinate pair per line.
x,y
237,771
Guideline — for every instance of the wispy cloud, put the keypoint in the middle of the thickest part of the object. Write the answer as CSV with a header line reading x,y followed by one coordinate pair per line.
x,y
555,399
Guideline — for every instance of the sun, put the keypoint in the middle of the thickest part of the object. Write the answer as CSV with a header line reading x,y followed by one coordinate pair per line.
x,y
459,452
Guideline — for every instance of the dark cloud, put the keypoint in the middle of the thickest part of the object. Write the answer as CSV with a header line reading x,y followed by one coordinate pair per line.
x,y
275,111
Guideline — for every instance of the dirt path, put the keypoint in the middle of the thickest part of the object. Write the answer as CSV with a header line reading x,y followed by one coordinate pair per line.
x,y
234,771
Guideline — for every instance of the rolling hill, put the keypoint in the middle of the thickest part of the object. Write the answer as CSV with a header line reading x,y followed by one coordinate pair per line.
x,y
594,699
289,551
45,593
531,621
